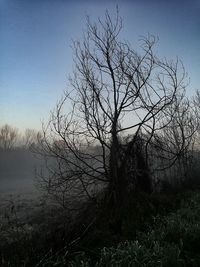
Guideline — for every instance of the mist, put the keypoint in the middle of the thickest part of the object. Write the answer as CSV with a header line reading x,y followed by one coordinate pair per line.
x,y
17,172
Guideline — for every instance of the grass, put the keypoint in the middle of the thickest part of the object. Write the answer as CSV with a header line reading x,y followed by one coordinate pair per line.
x,y
158,230
172,240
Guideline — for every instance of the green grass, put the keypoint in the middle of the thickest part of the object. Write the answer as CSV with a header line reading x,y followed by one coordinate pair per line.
x,y
157,230
173,240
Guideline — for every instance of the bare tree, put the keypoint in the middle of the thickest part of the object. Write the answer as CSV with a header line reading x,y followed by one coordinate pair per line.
x,y
174,142
196,101
8,137
116,91
30,138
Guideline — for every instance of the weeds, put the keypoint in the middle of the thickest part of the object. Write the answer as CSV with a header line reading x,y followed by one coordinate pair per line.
x,y
158,231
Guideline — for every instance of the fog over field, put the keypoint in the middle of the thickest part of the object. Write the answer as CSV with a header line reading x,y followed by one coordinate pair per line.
x,y
17,172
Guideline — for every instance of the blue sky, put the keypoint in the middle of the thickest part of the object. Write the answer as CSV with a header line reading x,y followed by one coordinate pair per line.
x,y
36,54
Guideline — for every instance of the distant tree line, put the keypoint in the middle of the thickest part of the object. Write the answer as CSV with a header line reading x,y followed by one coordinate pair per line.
x,y
11,138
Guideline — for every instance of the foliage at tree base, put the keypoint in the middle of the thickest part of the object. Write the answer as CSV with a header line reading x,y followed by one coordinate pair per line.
x,y
173,240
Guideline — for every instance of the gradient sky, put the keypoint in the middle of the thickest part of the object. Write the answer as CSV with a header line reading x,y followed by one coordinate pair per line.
x,y
36,57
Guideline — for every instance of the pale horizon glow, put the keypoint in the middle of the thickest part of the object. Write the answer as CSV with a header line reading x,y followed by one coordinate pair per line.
x,y
36,55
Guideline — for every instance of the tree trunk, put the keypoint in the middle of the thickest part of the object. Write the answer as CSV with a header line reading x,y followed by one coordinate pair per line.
x,y
117,187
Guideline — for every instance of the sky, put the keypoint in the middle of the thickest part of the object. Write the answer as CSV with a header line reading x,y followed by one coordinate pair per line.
x,y
36,57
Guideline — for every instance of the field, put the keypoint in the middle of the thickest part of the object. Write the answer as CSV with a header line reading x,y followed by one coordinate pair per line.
x,y
164,232
162,229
